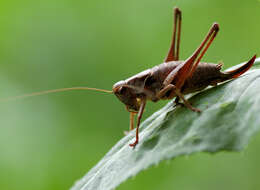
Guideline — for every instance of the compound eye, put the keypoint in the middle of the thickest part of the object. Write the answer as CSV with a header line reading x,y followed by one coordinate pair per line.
x,y
122,90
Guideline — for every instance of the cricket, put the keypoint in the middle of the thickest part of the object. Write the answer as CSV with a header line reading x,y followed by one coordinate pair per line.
x,y
173,78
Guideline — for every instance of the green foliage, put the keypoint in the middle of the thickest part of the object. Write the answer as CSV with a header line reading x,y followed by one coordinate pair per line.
x,y
230,117
50,141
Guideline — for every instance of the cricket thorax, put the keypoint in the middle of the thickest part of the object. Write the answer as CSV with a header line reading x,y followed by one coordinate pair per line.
x,y
145,84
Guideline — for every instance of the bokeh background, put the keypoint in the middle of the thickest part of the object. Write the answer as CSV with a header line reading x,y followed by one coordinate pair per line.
x,y
50,141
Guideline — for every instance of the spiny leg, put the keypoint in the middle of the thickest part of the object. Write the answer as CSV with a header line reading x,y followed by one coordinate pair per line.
x,y
179,75
139,116
208,40
175,91
186,102
186,69
173,54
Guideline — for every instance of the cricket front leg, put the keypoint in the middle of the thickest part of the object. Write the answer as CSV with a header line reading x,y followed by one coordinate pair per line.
x,y
139,116
175,91
131,127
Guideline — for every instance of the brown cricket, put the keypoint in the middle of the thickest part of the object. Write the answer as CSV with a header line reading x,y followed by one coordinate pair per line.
x,y
173,78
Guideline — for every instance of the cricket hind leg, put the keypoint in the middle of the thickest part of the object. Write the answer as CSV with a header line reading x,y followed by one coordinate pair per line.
x,y
179,75
175,91
173,54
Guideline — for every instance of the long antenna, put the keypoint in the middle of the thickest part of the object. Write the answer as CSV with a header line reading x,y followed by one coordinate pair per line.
x,y
53,91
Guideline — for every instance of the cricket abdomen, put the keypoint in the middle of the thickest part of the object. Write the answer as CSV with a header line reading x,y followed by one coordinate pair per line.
x,y
206,74
209,74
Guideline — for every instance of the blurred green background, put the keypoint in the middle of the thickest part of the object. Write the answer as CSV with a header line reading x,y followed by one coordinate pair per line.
x,y
49,141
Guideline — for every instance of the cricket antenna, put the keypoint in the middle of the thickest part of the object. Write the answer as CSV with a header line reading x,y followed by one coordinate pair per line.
x,y
53,91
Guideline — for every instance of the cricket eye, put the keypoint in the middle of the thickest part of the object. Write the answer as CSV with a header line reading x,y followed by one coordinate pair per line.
x,y
118,87
122,90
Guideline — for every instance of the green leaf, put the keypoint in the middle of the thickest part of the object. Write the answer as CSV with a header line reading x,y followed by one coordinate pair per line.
x,y
230,117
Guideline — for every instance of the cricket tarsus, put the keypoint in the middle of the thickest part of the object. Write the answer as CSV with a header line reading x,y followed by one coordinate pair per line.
x,y
174,78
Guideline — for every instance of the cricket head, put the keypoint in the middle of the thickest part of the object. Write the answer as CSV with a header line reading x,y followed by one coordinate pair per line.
x,y
127,95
